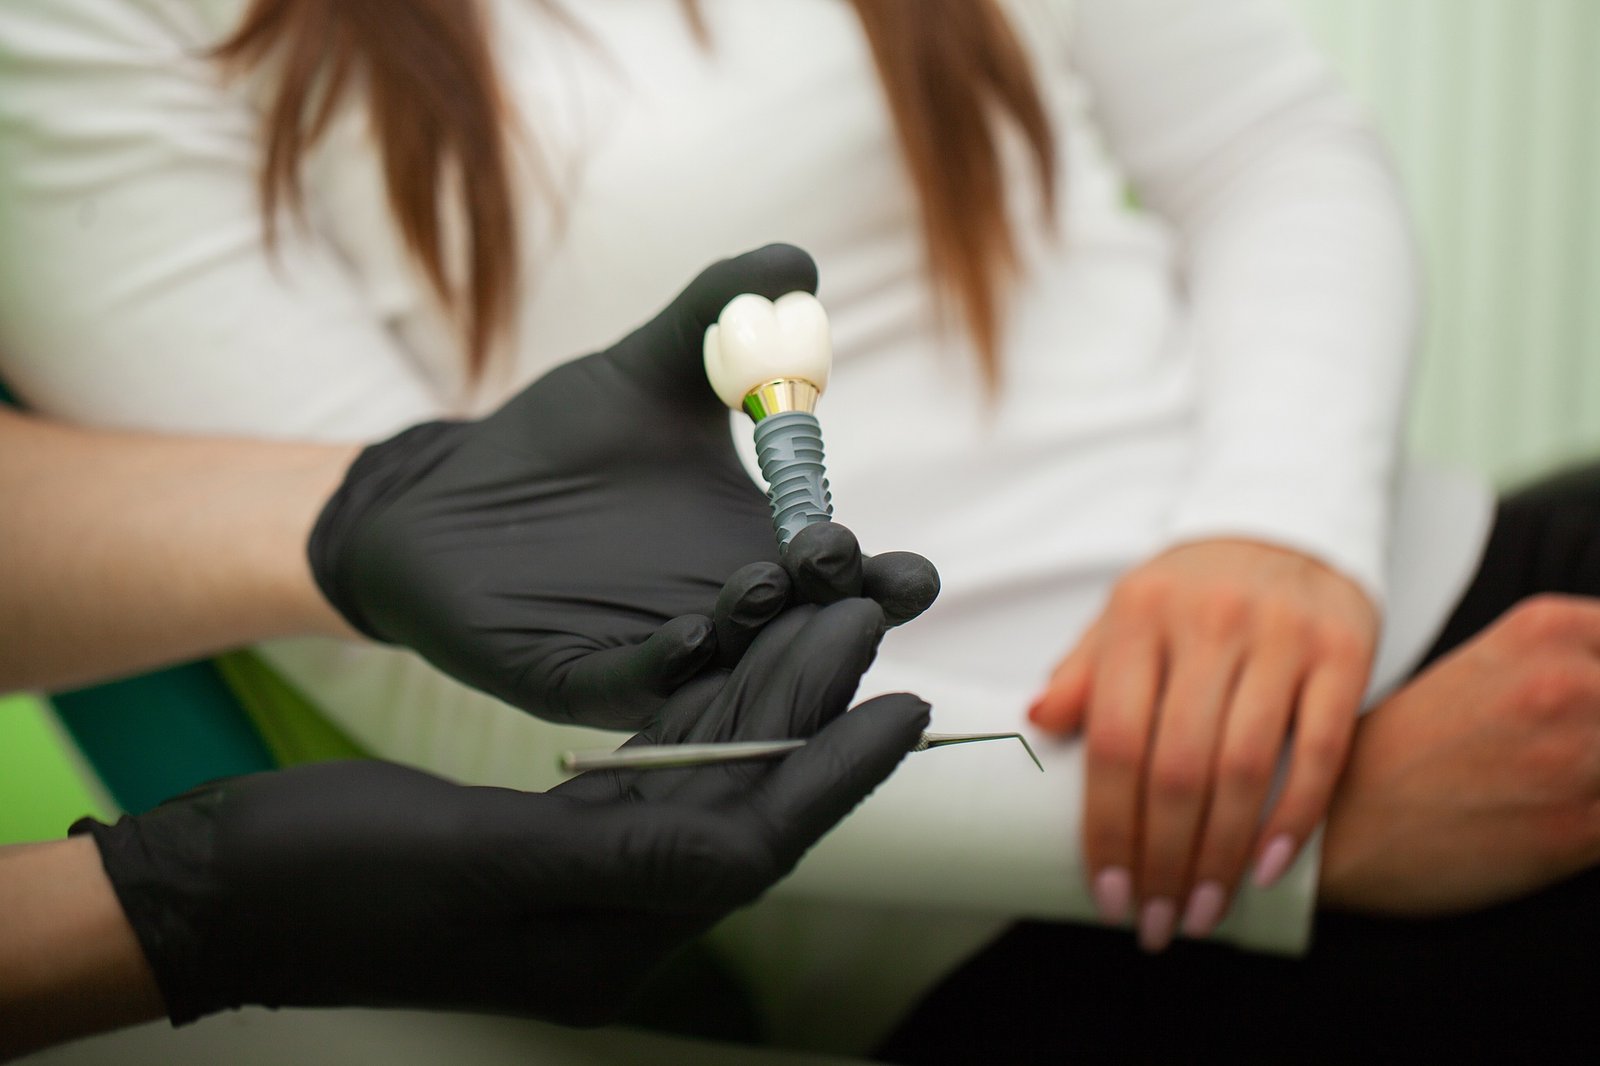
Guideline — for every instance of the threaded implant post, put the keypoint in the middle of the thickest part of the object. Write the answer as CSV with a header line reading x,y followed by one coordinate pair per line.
x,y
789,449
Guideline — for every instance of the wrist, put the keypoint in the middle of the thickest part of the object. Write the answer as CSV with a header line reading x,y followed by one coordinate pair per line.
x,y
1339,881
1345,535
70,964
301,603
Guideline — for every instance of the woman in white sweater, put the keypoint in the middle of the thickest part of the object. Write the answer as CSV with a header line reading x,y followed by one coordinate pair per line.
x,y
1124,302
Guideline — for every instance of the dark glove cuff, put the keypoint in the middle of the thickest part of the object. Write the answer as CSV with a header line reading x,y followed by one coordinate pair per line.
x,y
163,883
379,473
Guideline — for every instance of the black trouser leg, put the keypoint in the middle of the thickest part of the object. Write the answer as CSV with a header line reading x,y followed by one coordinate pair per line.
x,y
1546,538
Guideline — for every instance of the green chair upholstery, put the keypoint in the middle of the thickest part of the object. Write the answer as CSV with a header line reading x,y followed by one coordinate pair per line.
x,y
294,730
155,736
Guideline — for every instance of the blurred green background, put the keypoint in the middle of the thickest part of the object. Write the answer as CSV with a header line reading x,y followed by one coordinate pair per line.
x,y
1492,108
43,787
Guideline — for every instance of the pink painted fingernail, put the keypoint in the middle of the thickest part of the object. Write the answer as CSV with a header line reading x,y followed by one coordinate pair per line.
x,y
1204,913
1113,894
1275,860
1156,924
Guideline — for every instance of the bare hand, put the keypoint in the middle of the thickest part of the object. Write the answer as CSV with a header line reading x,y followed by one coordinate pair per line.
x,y
1480,781
1187,686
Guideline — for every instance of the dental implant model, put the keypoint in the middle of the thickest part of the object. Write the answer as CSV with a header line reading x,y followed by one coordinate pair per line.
x,y
770,359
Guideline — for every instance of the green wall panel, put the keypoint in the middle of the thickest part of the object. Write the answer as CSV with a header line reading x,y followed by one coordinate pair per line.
x,y
1492,109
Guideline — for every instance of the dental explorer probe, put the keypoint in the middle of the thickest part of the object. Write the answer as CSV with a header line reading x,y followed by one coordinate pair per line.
x,y
674,756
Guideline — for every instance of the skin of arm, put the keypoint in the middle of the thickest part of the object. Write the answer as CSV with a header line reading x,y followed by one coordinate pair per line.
x,y
1479,781
145,550
70,964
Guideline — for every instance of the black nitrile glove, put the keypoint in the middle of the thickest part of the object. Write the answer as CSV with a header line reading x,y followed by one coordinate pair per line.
x,y
564,553
368,884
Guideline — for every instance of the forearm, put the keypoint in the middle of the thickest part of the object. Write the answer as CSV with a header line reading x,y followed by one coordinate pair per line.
x,y
70,964
127,551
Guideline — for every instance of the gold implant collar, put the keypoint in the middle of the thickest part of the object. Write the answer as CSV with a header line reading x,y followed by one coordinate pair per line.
x,y
778,397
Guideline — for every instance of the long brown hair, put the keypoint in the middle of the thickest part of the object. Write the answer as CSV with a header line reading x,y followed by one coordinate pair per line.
x,y
953,72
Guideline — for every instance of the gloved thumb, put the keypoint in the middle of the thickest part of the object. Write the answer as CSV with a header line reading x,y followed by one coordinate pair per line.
x,y
624,688
813,789
666,355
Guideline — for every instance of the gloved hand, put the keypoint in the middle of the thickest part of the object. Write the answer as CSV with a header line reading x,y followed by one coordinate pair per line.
x,y
369,884
563,554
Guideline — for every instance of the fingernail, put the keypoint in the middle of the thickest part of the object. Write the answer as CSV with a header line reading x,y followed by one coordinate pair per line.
x,y
1113,894
1155,925
1275,860
1034,708
1204,912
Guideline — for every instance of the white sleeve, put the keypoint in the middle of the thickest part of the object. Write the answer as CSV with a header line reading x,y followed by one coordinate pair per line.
x,y
1297,260
135,288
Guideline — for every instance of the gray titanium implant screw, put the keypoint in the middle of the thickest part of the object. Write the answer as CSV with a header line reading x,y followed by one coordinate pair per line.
x,y
789,448
771,359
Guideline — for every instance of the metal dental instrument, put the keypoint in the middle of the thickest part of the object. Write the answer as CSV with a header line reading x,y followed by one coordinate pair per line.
x,y
671,756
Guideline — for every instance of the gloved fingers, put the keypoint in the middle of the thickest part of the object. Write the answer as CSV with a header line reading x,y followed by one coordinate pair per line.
x,y
903,583
815,673
790,684
720,719
667,354
676,719
808,793
682,719
751,598
799,674
624,688
824,562
826,565
707,710
719,842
